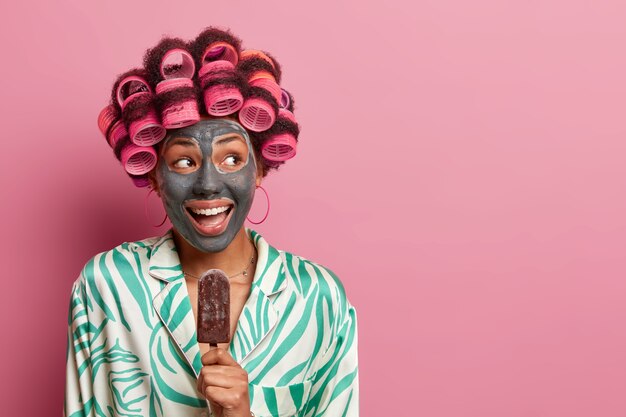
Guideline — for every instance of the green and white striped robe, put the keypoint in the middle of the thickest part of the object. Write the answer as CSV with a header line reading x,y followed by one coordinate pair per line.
x,y
132,347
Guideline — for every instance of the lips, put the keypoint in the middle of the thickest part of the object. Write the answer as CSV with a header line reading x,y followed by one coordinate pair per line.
x,y
210,217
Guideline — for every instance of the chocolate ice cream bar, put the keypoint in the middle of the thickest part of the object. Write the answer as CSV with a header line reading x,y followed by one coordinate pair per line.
x,y
213,307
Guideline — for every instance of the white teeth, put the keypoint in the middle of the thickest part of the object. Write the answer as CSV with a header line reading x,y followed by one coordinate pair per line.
x,y
210,212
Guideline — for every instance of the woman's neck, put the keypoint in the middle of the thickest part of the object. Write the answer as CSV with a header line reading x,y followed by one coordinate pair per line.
x,y
232,260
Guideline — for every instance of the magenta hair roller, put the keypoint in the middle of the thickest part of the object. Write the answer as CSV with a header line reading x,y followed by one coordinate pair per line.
x,y
177,63
140,181
269,85
220,51
106,118
178,113
138,160
285,99
220,98
257,114
279,148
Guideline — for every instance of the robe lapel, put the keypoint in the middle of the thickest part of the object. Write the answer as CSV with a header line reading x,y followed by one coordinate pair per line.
x,y
172,302
259,314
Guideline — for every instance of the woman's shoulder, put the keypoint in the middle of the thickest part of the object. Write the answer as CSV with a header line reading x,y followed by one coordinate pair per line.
x,y
313,278
110,264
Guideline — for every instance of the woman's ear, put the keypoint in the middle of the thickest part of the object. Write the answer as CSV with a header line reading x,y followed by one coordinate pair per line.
x,y
259,175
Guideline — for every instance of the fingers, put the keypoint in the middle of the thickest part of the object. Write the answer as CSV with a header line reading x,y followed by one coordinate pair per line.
x,y
218,356
225,385
227,398
220,370
222,376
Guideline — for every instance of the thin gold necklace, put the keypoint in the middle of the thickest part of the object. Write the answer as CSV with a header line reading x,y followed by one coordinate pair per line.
x,y
244,272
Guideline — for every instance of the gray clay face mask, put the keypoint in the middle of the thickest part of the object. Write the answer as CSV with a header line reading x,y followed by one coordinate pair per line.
x,y
206,175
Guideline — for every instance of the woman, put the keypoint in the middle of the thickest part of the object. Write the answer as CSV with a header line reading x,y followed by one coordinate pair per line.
x,y
203,143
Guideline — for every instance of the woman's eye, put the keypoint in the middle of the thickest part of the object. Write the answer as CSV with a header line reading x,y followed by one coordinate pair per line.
x,y
183,163
231,160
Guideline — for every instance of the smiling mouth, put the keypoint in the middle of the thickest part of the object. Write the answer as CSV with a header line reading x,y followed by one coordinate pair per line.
x,y
209,217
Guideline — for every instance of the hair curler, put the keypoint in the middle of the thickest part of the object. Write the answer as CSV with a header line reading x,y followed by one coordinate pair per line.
x,y
268,84
106,118
250,53
285,99
279,148
129,88
182,112
140,181
261,74
222,100
138,160
177,63
215,69
287,115
147,129
116,133
257,114
221,95
220,51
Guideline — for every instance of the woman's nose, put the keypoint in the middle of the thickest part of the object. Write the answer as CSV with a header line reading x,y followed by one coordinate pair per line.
x,y
208,181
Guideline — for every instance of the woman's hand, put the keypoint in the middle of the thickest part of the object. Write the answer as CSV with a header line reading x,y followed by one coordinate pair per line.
x,y
225,384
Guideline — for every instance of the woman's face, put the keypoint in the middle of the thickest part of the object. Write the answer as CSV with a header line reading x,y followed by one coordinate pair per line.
x,y
206,176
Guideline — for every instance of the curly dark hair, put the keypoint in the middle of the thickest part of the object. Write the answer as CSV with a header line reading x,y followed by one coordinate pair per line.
x,y
248,63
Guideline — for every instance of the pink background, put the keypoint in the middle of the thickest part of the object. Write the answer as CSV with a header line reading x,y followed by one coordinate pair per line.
x,y
461,167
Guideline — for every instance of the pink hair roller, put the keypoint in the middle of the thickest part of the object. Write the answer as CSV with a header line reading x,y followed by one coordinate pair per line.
x,y
147,130
287,115
220,51
180,114
138,160
106,118
177,63
279,148
117,133
269,85
215,69
220,99
129,88
257,115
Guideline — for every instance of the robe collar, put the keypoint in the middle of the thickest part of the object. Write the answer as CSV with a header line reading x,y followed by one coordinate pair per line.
x,y
164,263
257,318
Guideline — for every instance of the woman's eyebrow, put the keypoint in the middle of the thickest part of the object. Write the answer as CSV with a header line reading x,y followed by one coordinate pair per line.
x,y
226,139
182,141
